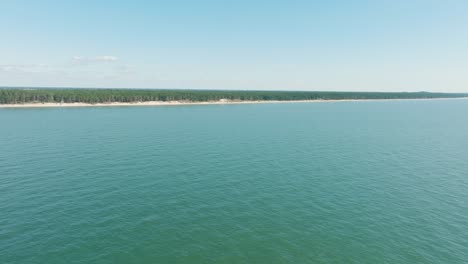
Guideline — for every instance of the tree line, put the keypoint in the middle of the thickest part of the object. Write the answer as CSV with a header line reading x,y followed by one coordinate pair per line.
x,y
93,96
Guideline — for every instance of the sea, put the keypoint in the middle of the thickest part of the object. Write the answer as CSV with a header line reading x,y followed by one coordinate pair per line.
x,y
337,182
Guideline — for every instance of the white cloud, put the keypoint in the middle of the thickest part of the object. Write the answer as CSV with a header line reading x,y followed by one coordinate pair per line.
x,y
106,58
24,68
77,58
90,60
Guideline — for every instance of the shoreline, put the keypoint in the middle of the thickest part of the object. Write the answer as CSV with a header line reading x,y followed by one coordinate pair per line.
x,y
175,103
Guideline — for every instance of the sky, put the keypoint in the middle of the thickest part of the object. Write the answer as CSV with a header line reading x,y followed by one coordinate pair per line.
x,y
379,45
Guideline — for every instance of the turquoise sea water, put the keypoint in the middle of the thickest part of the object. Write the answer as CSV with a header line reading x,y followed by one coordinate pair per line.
x,y
348,182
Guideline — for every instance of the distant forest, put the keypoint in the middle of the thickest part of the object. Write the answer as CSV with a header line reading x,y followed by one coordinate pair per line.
x,y
92,96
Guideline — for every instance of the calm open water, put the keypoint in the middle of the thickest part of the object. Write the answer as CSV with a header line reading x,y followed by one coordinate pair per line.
x,y
348,182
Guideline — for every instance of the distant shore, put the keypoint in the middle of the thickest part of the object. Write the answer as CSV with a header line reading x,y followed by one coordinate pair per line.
x,y
220,102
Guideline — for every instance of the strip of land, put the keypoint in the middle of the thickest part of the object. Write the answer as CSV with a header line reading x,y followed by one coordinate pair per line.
x,y
175,103
53,97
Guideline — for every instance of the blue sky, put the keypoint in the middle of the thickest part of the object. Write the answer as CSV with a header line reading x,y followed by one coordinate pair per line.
x,y
410,45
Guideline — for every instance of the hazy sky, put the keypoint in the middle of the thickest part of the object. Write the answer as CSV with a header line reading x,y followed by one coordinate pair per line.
x,y
407,45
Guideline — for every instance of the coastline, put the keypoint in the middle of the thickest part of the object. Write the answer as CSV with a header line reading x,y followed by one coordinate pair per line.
x,y
221,102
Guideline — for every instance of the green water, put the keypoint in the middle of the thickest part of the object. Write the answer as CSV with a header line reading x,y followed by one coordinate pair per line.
x,y
349,182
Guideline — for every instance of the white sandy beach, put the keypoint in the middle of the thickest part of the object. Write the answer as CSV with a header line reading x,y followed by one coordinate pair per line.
x,y
221,102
